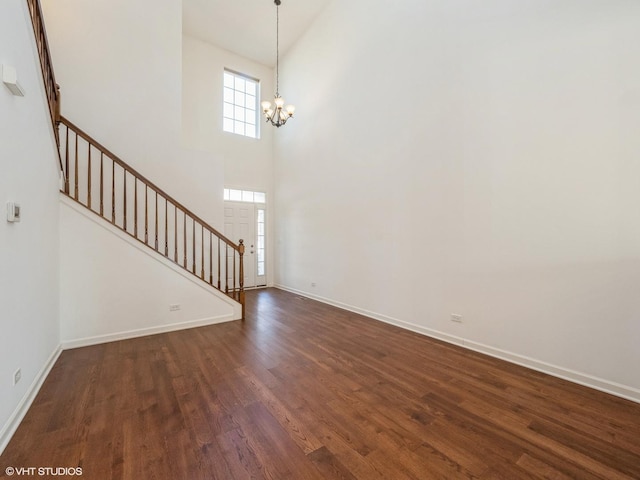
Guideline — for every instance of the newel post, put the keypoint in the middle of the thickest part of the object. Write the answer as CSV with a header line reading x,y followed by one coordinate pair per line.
x,y
241,279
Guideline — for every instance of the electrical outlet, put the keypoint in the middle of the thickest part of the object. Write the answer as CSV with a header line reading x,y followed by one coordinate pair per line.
x,y
174,307
456,318
17,375
313,284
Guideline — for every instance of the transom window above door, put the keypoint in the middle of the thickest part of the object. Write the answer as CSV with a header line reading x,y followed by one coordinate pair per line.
x,y
244,196
240,105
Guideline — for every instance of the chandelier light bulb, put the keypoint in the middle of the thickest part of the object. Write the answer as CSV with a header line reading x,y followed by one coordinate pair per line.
x,y
279,101
266,106
290,109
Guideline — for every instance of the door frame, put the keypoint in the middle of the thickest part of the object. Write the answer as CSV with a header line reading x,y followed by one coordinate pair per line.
x,y
258,280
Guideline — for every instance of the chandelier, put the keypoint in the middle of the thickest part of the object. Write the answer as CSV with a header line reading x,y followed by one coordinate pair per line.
x,y
278,114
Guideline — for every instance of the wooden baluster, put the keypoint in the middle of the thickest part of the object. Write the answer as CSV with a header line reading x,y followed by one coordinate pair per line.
x,y
101,184
124,195
175,234
66,162
202,252
184,244
156,228
241,256
75,193
58,104
193,238
219,265
58,131
166,227
234,274
210,258
57,117
226,269
89,175
146,215
113,191
135,207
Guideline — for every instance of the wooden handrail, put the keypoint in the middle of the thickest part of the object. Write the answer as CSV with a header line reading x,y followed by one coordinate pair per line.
x,y
162,219
51,87
143,179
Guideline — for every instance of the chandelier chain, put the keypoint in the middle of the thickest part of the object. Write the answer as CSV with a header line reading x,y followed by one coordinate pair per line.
x,y
277,49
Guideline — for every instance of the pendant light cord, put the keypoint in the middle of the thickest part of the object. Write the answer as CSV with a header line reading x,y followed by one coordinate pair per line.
x,y
277,50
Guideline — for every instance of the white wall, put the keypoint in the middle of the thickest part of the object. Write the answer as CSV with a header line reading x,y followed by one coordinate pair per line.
x,y
112,287
479,159
29,249
201,187
248,162
119,67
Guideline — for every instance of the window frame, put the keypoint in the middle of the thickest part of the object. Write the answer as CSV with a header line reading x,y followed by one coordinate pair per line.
x,y
244,196
236,107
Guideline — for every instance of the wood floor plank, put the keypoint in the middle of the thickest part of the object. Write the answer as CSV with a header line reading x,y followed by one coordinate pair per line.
x,y
302,390
540,469
287,419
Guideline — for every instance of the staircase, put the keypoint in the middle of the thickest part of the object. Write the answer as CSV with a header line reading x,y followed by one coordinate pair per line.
x,y
103,183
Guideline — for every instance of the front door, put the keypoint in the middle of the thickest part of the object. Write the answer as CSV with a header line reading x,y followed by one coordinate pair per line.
x,y
240,223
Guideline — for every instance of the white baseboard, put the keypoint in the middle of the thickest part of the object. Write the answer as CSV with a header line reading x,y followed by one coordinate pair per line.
x,y
143,332
584,379
23,407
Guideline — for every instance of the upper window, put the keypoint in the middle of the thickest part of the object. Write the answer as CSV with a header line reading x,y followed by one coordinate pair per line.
x,y
240,104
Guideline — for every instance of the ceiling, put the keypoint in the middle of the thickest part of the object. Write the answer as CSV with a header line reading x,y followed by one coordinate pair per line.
x,y
248,27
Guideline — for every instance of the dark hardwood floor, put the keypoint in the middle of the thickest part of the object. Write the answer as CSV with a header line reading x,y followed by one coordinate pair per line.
x,y
302,390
